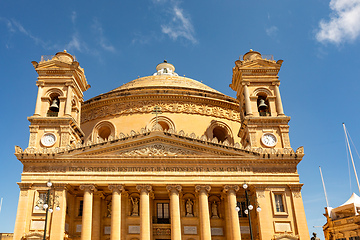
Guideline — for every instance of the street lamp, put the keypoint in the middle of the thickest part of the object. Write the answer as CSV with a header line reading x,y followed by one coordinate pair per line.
x,y
48,203
248,209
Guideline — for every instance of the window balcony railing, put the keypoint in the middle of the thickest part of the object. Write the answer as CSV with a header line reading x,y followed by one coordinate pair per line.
x,y
157,220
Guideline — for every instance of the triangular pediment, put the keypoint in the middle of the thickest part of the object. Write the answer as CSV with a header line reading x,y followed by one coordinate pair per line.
x,y
260,63
158,144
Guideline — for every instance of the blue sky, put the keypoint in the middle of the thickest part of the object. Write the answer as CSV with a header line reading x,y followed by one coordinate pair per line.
x,y
116,41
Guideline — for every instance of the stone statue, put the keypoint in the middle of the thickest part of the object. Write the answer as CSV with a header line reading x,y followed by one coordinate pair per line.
x,y
314,237
108,212
214,210
135,206
189,208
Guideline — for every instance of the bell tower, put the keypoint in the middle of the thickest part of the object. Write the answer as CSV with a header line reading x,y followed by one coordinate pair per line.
x,y
61,83
263,122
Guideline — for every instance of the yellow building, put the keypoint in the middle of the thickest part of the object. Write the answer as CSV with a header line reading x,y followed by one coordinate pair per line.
x,y
160,157
343,222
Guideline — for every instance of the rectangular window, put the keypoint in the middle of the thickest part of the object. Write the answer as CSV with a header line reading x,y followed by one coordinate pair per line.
x,y
163,214
279,204
81,205
242,207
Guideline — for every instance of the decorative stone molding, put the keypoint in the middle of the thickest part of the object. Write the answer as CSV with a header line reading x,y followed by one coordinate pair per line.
x,y
162,231
260,190
157,150
175,188
116,188
121,108
204,188
24,186
144,188
89,187
286,236
295,190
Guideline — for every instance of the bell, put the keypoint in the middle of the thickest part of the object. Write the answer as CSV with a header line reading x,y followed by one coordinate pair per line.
x,y
262,104
54,106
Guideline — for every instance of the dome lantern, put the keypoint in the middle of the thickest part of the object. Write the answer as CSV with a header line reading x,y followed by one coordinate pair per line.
x,y
165,68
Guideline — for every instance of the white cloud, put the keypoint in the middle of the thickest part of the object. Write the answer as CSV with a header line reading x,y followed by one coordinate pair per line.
x,y
180,25
102,41
272,31
344,23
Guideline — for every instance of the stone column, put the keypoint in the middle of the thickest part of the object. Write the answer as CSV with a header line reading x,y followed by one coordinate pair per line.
x,y
145,230
299,211
205,228
116,189
96,216
40,85
174,191
227,216
247,100
58,216
263,198
279,106
68,99
22,210
88,189
234,217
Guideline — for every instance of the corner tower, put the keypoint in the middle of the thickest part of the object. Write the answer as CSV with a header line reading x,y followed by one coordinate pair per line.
x,y
61,83
256,81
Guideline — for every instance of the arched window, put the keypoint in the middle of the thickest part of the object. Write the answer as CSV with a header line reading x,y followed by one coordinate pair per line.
x,y
103,130
219,130
263,105
54,105
164,122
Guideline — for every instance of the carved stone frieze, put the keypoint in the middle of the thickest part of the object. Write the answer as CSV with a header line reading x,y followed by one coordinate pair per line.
x,y
157,150
121,108
162,231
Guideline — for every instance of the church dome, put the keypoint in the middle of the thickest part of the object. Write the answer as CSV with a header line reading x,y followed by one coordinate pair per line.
x,y
181,103
165,76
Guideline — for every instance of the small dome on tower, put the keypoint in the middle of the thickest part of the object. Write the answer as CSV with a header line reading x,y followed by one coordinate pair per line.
x,y
165,68
252,55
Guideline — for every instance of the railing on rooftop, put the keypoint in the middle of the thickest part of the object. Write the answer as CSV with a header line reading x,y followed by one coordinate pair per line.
x,y
49,57
263,56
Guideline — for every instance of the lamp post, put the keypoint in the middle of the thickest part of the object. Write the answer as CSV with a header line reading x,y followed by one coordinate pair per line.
x,y
48,204
248,209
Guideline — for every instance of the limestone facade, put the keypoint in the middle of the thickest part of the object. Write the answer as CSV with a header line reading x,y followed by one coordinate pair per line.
x,y
160,157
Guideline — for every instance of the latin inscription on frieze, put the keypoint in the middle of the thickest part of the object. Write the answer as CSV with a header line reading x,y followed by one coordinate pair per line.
x,y
137,169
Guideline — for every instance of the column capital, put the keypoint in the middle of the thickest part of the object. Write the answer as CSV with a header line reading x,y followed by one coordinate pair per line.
x,y
90,187
177,188
228,188
24,186
116,188
245,83
144,188
68,83
205,188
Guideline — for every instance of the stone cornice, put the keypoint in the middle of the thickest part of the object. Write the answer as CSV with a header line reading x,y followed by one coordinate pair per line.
x,y
177,140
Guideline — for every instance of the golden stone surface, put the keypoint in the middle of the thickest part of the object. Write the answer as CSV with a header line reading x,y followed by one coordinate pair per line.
x,y
160,157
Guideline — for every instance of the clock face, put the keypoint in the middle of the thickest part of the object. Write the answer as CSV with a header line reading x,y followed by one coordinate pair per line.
x,y
269,139
48,139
